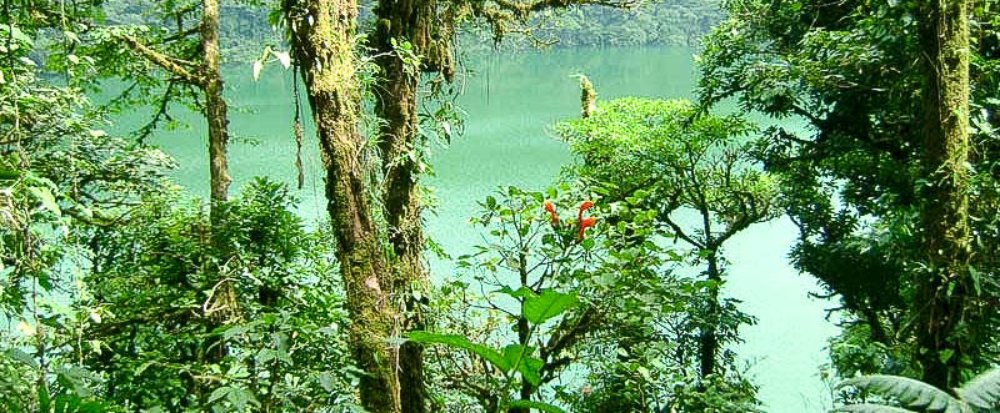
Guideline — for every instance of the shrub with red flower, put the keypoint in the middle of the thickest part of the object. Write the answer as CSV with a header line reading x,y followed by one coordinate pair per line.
x,y
582,223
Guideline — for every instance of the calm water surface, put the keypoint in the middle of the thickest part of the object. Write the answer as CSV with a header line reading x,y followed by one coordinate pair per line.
x,y
511,102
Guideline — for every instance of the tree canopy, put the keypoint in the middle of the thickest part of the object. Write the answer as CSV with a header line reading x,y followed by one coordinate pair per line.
x,y
874,131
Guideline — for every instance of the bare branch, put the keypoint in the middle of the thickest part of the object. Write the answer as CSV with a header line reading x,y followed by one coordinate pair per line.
x,y
168,63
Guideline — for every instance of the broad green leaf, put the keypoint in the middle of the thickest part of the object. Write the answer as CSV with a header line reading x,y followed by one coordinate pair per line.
x,y
531,370
17,34
22,357
142,368
521,358
457,341
45,197
240,398
523,292
542,407
44,402
231,332
548,305
513,353
218,394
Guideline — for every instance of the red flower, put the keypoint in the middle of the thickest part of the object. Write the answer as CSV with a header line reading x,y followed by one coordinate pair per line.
x,y
584,224
551,209
585,205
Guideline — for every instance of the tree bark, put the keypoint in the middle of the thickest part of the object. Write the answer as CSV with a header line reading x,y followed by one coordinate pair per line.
x,y
588,98
396,105
941,303
224,304
322,39
216,111
709,340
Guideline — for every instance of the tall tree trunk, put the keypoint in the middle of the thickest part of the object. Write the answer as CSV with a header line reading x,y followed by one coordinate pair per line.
x,y
216,114
216,111
709,340
944,37
224,305
396,105
322,39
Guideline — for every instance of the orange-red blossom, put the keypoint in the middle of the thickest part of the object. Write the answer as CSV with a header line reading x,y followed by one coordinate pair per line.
x,y
551,209
582,223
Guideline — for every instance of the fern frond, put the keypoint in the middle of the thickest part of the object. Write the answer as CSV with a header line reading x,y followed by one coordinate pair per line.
x,y
912,393
870,408
983,391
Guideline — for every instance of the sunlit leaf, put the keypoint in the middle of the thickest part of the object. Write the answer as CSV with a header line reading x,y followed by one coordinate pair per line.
x,y
44,195
460,342
547,305
531,404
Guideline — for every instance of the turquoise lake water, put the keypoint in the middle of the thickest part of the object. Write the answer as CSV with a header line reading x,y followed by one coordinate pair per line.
x,y
511,103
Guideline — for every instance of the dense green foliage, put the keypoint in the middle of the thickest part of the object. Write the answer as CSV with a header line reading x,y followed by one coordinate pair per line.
x,y
609,301
854,175
605,293
654,23
61,176
152,277
666,158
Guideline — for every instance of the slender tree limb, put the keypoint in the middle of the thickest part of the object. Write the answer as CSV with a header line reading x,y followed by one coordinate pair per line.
x,y
166,62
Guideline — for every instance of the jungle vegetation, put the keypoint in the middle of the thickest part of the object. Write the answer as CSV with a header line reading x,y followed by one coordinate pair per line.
x,y
119,291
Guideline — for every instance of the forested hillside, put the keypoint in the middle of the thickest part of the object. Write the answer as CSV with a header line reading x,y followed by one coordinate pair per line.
x,y
249,25
604,284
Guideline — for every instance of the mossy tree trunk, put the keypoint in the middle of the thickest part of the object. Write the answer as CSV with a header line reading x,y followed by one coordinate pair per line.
x,y
404,21
217,117
322,40
941,301
224,304
216,111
